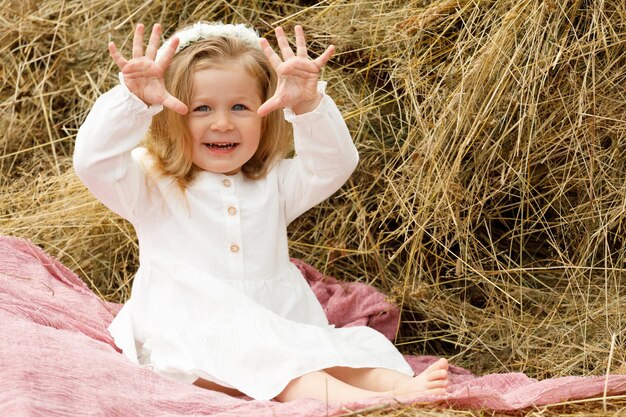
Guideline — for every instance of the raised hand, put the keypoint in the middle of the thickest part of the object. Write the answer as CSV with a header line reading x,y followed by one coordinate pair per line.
x,y
143,75
297,74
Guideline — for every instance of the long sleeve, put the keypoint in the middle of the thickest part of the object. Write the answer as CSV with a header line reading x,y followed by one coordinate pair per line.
x,y
325,158
102,156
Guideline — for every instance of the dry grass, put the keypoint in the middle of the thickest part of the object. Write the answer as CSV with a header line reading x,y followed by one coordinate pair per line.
x,y
489,202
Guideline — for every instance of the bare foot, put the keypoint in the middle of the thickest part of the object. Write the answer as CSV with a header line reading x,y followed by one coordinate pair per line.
x,y
432,381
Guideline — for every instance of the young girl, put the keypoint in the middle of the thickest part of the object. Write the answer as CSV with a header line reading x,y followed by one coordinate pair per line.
x,y
215,300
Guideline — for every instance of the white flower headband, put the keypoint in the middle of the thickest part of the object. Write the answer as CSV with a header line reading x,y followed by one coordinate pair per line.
x,y
200,31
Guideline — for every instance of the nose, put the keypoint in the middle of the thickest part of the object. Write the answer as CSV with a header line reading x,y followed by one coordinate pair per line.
x,y
221,122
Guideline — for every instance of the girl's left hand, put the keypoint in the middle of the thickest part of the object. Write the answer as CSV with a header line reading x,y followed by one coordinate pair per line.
x,y
297,74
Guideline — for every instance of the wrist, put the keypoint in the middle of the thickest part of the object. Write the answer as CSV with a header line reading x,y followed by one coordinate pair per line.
x,y
307,106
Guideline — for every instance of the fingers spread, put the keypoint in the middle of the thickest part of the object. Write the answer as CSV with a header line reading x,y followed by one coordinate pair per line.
x,y
283,44
269,106
272,56
153,43
321,60
138,41
169,52
175,104
119,60
287,52
300,42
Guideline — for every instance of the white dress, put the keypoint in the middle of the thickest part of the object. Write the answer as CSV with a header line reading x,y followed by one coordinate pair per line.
x,y
215,295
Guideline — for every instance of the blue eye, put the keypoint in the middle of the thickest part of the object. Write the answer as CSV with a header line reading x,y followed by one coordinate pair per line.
x,y
239,107
201,108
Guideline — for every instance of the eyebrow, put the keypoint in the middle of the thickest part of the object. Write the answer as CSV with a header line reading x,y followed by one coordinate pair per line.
x,y
233,99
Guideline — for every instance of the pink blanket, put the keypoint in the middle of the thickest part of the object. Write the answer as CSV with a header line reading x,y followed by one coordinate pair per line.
x,y
57,359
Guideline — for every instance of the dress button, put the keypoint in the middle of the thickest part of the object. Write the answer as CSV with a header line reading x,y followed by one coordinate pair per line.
x,y
226,183
234,248
232,210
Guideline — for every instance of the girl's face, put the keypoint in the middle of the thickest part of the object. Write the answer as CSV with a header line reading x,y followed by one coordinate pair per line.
x,y
223,122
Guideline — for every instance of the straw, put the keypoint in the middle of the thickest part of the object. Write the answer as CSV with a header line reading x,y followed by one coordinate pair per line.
x,y
489,200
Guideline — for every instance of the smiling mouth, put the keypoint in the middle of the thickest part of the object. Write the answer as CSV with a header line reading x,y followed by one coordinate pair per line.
x,y
221,146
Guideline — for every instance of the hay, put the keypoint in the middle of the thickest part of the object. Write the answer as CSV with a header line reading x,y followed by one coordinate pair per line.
x,y
490,198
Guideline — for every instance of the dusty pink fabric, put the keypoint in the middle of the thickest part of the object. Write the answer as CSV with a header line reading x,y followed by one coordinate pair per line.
x,y
57,359
351,303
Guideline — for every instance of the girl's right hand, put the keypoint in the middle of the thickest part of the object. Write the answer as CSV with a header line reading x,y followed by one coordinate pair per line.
x,y
143,75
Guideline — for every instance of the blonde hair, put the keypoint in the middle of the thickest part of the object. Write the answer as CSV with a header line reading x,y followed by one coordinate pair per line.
x,y
169,140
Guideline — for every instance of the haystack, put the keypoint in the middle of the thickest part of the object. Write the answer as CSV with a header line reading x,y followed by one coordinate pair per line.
x,y
490,199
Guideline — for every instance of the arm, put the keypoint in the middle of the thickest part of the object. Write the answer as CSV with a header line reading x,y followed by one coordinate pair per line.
x,y
325,158
326,155
102,154
117,123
